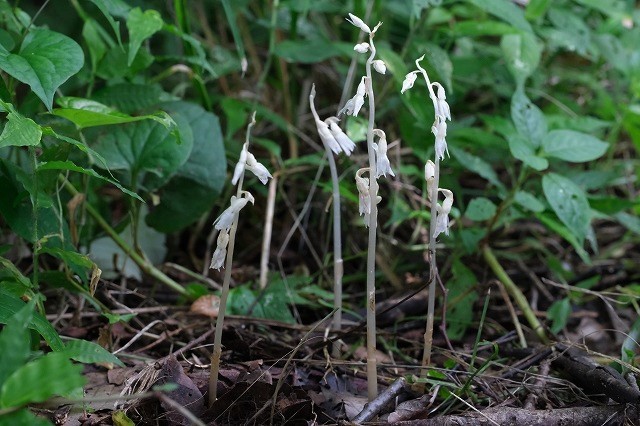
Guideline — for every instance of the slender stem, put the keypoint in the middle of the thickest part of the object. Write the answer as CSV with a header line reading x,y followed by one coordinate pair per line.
x,y
515,292
224,296
143,263
372,374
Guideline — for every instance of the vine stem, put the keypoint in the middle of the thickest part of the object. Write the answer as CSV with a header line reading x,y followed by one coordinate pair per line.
x,y
146,266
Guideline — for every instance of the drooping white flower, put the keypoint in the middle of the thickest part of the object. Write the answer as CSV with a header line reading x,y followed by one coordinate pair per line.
x,y
327,137
379,66
430,177
346,144
442,107
237,172
258,169
439,129
220,254
364,198
225,220
409,80
361,47
442,218
353,105
383,166
355,21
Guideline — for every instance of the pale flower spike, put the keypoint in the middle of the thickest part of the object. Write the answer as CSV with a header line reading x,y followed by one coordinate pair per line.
x,y
442,107
442,219
379,66
357,22
364,198
383,166
346,144
258,169
225,220
361,47
353,105
237,172
430,177
409,80
439,129
217,260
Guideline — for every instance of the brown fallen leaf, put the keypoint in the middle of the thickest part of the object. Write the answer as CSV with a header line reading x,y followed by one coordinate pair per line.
x,y
207,305
186,394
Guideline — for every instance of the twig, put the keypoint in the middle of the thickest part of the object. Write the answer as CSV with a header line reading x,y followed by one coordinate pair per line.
x,y
374,407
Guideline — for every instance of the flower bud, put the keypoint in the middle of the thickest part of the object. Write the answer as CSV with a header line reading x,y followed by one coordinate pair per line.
x,y
258,169
354,20
220,254
361,47
237,172
409,80
383,166
379,66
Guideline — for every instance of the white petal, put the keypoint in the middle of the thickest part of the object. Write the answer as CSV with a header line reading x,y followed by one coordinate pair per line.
x,y
379,66
219,255
361,47
348,107
346,144
327,137
408,82
362,88
354,20
258,169
237,172
430,177
358,102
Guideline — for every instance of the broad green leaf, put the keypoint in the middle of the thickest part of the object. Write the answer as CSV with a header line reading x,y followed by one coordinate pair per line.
x,y
569,202
110,8
37,381
10,305
306,51
528,118
528,201
576,147
198,182
145,150
120,418
69,257
48,131
23,417
476,164
536,9
558,313
483,28
20,131
68,165
114,64
129,97
14,341
97,47
460,299
561,230
89,353
439,59
573,32
480,209
524,151
522,54
505,10
141,26
46,60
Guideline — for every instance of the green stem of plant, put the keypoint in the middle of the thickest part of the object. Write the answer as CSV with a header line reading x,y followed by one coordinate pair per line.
x,y
515,292
139,260
372,367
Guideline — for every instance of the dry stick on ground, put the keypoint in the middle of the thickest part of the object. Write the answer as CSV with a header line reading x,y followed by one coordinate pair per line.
x,y
376,406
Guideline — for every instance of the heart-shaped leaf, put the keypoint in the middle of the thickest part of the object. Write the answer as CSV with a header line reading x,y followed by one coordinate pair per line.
x,y
46,60
141,26
569,202
20,131
576,147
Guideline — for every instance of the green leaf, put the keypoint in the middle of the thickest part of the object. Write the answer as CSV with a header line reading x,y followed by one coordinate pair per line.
x,y
480,209
14,341
53,374
129,97
558,313
114,64
630,344
460,299
569,202
89,353
477,165
20,131
482,28
439,59
528,201
522,54
536,9
306,51
46,60
505,10
523,150
528,119
11,305
629,221
97,47
576,147
68,165
23,417
572,32
141,26
110,8
198,182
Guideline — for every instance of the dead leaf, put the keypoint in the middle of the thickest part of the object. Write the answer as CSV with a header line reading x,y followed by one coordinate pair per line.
x,y
186,394
207,305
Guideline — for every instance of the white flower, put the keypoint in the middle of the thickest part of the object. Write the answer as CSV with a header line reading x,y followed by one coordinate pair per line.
x,y
364,198
327,137
361,47
439,129
442,107
354,20
409,80
225,220
353,105
382,161
442,218
241,163
258,169
220,254
346,144
379,66
430,177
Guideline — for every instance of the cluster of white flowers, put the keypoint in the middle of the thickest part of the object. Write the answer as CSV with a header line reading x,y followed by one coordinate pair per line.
x,y
439,129
330,133
364,197
224,222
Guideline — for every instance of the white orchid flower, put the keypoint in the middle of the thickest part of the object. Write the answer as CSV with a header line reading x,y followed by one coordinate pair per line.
x,y
361,47
357,22
364,205
442,218
237,172
383,166
220,254
379,66
225,220
353,105
430,177
258,169
346,144
442,107
409,81
439,129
